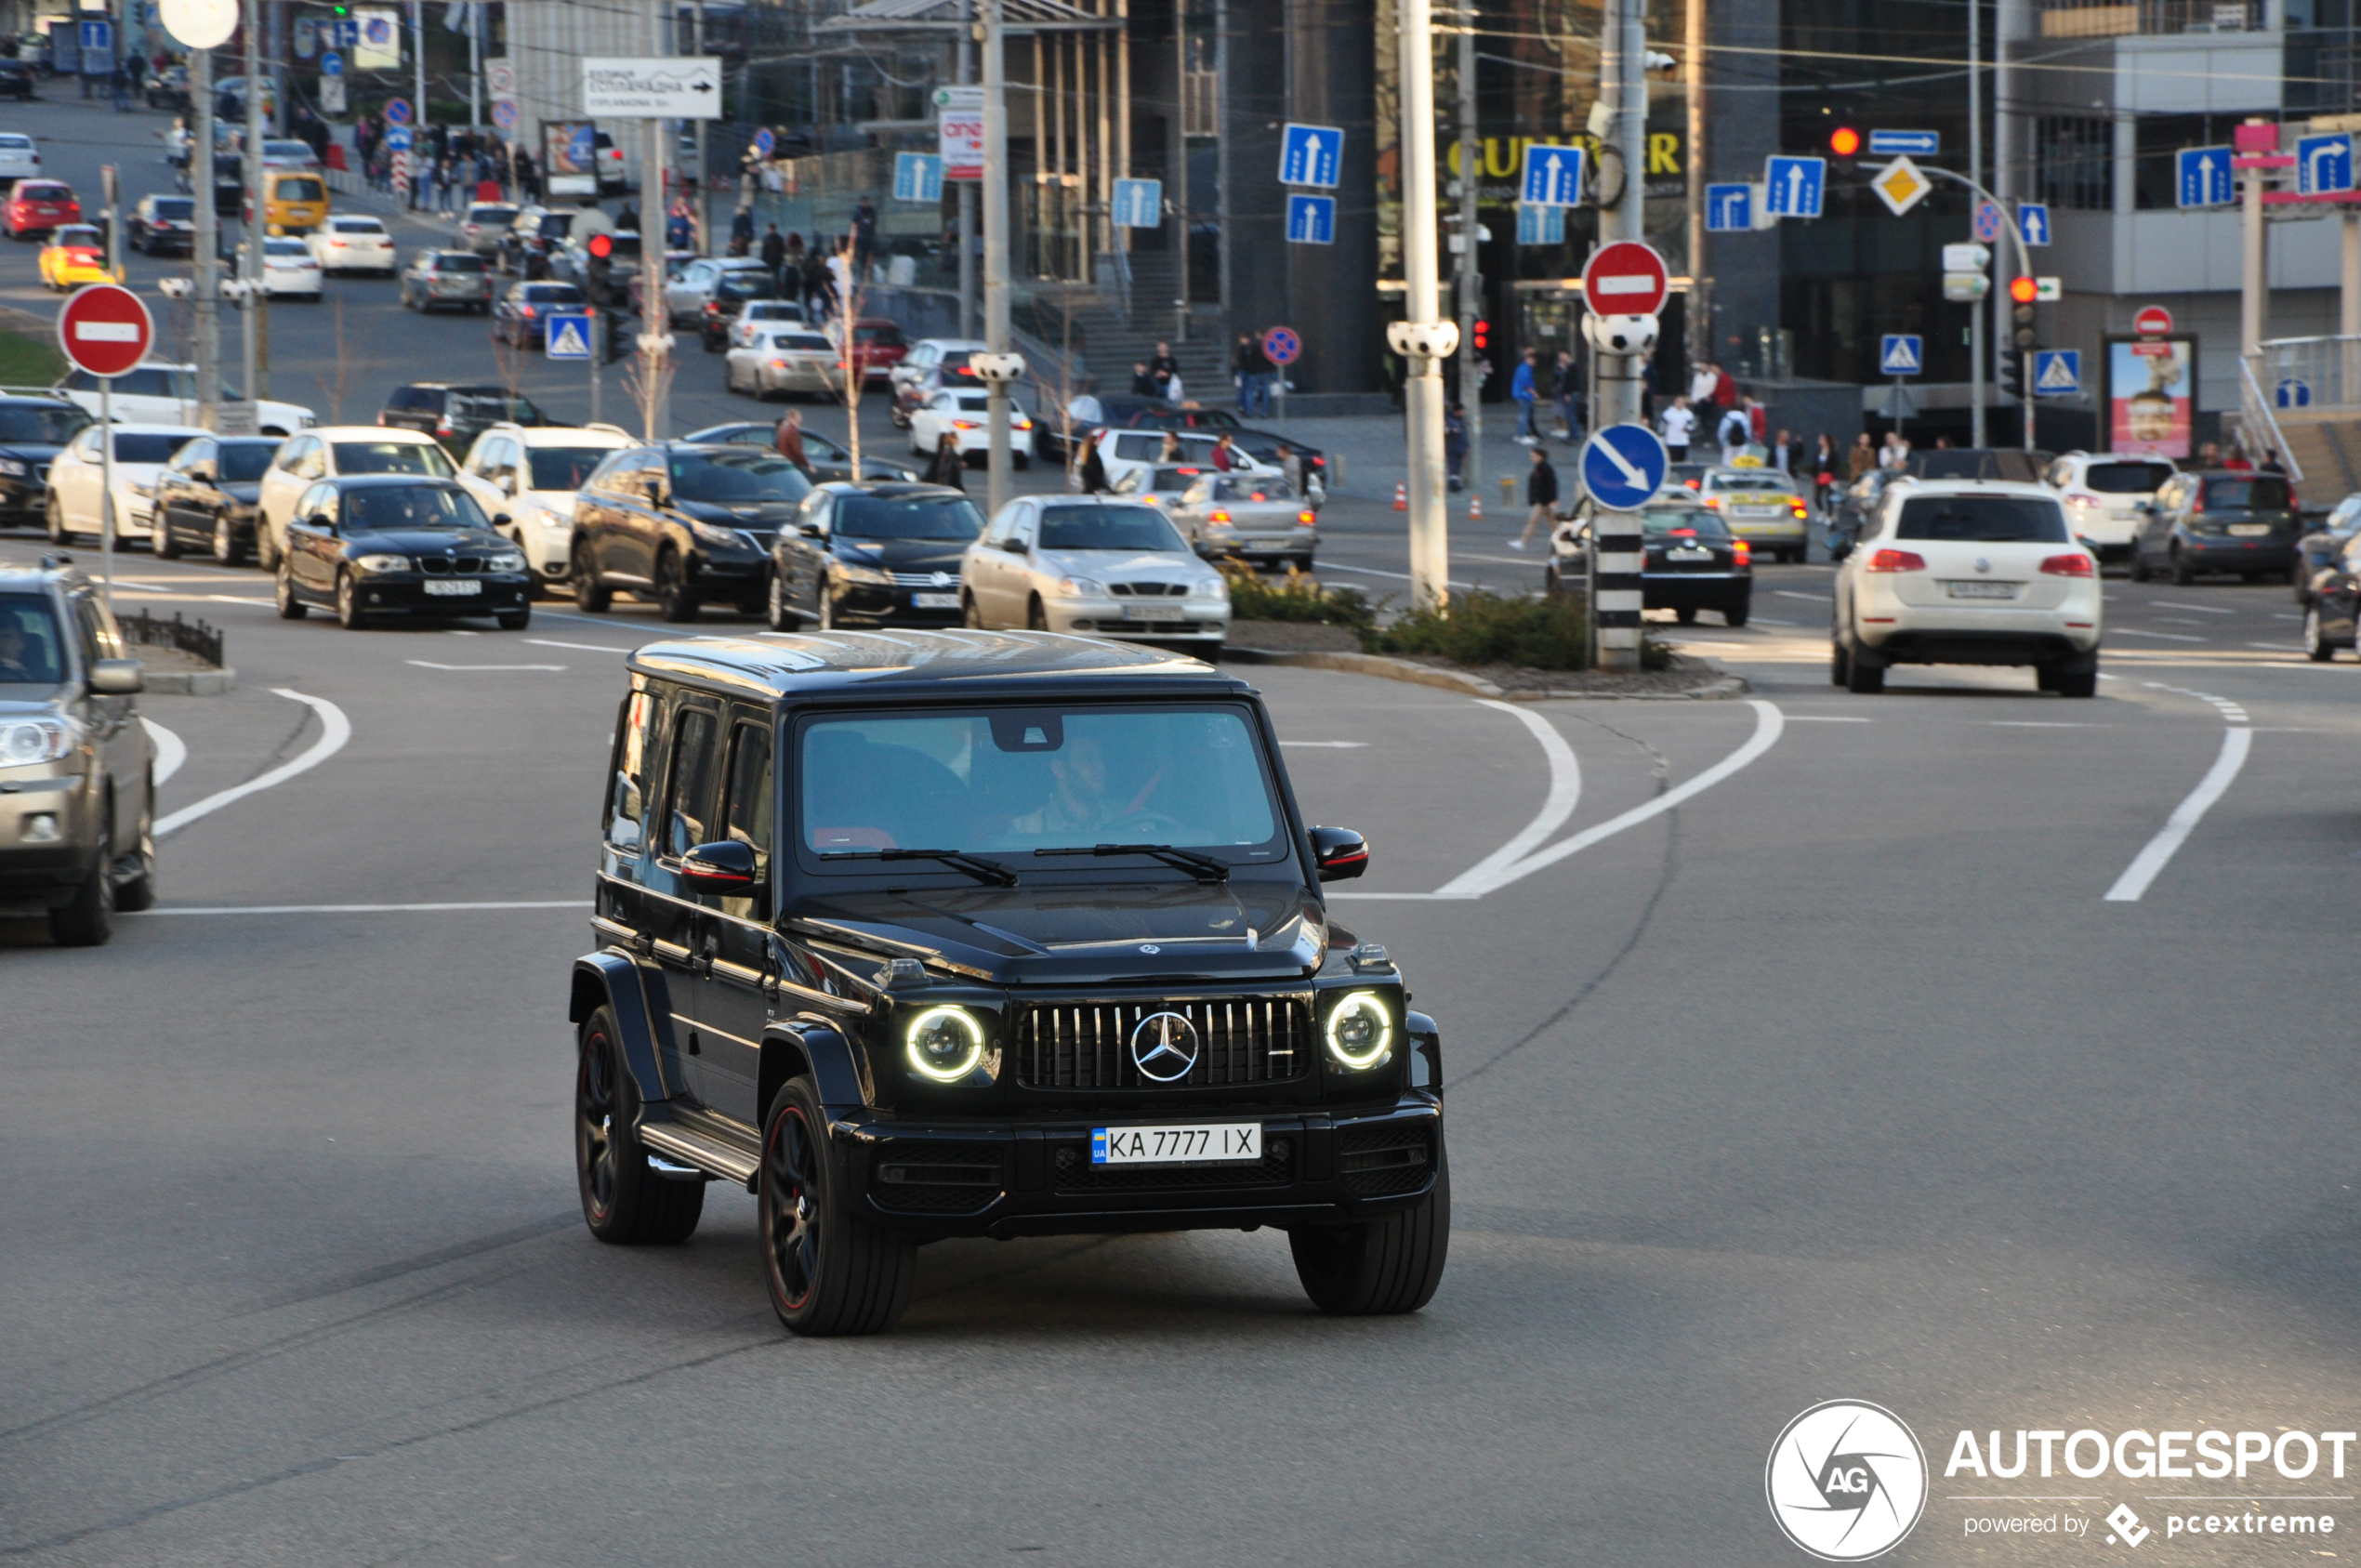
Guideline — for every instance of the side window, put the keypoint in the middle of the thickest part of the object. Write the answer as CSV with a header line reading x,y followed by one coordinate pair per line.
x,y
88,446
748,812
688,796
290,454
313,463
197,455
86,636
628,791
145,384
816,508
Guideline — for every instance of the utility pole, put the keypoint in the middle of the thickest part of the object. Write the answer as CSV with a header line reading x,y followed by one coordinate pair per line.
x,y
207,244
2000,296
704,184
967,187
1423,341
2255,255
995,248
1623,91
420,147
475,72
257,353
1699,313
655,322
1471,280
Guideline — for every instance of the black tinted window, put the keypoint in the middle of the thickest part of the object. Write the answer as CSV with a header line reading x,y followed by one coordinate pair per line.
x,y
1107,528
743,477
392,458
949,517
1993,519
411,506
2126,479
31,651
246,459
176,206
458,261
1696,520
2262,493
565,468
147,449
42,423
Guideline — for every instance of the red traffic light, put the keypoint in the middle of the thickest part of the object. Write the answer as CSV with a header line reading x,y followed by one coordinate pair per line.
x,y
1844,141
1483,335
601,247
2025,291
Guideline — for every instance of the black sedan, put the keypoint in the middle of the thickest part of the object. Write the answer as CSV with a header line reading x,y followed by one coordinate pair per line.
x,y
681,524
879,553
207,496
829,461
2217,521
395,545
1693,561
16,79
34,429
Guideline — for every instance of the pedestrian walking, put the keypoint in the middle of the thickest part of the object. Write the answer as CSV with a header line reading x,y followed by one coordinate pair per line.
x,y
1241,372
774,252
1677,425
1896,450
1094,469
1454,443
1540,497
1733,435
1783,453
949,467
787,440
1522,392
1566,386
1702,381
1824,472
1861,458
865,235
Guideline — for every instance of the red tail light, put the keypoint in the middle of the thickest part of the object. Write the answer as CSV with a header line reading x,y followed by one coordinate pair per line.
x,y
525,311
2075,565
1304,518
2197,504
1896,560
1744,552
1798,509
1219,517
1258,495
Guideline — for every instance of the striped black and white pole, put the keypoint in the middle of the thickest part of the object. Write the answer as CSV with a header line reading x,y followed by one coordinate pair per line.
x,y
1619,557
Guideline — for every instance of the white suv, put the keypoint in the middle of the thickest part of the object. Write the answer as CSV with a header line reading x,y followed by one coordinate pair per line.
x,y
2103,495
1966,573
525,478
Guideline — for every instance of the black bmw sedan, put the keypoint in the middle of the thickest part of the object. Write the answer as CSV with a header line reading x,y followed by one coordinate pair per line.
x,y
1693,561
207,496
376,546
878,553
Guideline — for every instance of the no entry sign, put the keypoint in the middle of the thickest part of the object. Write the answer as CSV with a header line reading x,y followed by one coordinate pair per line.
x,y
105,330
1624,279
2153,321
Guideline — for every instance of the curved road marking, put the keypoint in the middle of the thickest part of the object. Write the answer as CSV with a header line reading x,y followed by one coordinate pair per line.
x,y
171,751
2237,739
1566,794
335,730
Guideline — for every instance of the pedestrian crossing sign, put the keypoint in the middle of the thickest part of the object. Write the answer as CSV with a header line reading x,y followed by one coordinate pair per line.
x,y
2057,372
1901,353
570,336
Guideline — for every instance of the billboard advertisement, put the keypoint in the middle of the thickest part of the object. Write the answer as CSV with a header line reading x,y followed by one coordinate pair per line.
x,y
2152,395
569,158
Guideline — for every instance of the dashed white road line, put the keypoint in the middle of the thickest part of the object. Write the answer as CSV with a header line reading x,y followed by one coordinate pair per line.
x,y
586,647
335,730
2167,635
2278,647
1790,593
2202,609
425,664
171,751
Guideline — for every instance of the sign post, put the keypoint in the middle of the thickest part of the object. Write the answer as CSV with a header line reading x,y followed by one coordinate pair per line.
x,y
1901,354
105,330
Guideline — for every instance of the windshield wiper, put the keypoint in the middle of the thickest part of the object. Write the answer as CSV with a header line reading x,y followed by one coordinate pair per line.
x,y
1204,868
957,859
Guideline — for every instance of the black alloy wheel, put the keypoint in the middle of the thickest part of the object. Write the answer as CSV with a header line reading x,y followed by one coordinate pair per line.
x,y
2316,647
624,1201
88,921
828,1273
675,596
1380,1266
290,607
591,596
349,615
226,549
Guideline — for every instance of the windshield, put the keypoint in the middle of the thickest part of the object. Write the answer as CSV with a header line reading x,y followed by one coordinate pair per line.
x,y
543,293
245,460
952,517
1012,781
1704,523
493,408
40,425
392,458
1763,478
2261,493
410,506
1270,488
741,477
77,234
1107,528
148,448
175,206
746,286
301,189
2126,479
284,247
457,262
888,336
30,653
1986,519
565,468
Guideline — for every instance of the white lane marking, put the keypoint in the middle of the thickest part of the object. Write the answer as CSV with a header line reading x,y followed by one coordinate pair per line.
x,y
2167,635
1767,621
586,647
2203,609
2225,706
1397,576
1566,794
171,751
424,664
1790,593
233,598
334,729
1329,745
2235,742
2278,647
461,631
2038,724
2282,615
369,908
2181,620
1825,719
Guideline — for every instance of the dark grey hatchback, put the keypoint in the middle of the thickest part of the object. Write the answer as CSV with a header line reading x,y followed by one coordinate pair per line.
x,y
2218,520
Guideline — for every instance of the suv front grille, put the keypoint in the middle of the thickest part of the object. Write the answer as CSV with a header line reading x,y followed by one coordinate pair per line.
x,y
1088,1045
1389,1157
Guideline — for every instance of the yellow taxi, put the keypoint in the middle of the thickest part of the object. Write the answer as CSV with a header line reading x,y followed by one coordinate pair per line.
x,y
74,256
294,201
1760,504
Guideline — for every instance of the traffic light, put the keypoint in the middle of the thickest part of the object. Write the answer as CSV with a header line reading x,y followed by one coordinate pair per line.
x,y
1844,141
2012,374
601,247
1482,334
2024,337
2024,290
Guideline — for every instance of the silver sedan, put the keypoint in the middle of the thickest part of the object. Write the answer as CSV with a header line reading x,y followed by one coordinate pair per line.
x,y
1259,517
781,364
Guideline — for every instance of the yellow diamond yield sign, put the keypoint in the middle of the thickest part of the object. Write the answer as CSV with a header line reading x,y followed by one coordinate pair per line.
x,y
1900,186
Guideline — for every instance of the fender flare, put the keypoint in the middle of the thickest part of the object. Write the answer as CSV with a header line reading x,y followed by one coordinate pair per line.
x,y
817,1045
609,979
1426,1068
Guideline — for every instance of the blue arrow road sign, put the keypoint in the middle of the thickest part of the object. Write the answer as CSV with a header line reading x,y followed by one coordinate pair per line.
x,y
2204,178
348,33
1901,353
399,138
1792,187
2323,163
1729,209
1553,176
1622,466
918,176
97,35
1311,220
1540,226
1312,155
570,335
2056,372
1139,203
2033,222
1898,144
332,64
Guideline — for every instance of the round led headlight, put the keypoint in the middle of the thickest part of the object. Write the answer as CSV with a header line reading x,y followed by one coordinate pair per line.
x,y
1360,1030
944,1044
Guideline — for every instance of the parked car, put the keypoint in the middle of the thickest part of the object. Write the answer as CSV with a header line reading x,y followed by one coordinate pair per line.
x,y
208,497
159,392
140,454
2217,521
37,206
963,416
522,318
336,452
355,244
75,255
484,223
882,554
1692,560
290,270
164,225
1103,568
757,316
456,279
78,844
1762,505
679,524
386,545
526,478
732,292
455,412
16,80
828,458
1256,518
794,362
1121,451
1964,572
2103,495
2320,549
35,427
20,155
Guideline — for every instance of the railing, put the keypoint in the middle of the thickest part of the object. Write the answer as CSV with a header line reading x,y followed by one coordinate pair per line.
x,y
2262,430
2109,19
2311,372
197,640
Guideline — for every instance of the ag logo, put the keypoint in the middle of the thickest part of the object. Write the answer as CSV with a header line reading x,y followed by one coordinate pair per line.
x,y
1846,1480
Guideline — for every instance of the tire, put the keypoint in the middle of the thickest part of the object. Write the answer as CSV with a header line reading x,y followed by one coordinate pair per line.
x,y
1380,1268
825,602
2182,575
2316,647
514,620
676,598
226,548
266,550
2139,566
1686,615
1864,676
349,615
1735,614
54,520
137,891
160,538
827,1272
971,614
1035,618
624,1201
774,610
88,921
2084,685
591,596
1839,664
290,607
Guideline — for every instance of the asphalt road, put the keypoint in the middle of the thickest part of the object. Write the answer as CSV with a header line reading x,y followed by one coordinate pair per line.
x,y
1823,1067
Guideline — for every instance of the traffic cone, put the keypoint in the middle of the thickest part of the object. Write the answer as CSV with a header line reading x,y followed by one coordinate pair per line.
x,y
1475,509
1400,496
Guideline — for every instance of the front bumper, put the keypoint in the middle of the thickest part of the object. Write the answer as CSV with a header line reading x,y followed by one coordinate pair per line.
x,y
404,593
898,604
1198,621
1270,546
23,497
2205,554
1694,590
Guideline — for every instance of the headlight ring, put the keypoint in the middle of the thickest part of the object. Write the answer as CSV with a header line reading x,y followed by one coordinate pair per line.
x,y
1360,1031
944,1044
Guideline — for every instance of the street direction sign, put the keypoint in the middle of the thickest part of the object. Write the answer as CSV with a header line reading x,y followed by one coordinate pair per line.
x,y
1965,258
504,113
97,37
2033,222
105,330
2292,393
1622,465
397,112
1540,226
399,138
1900,186
570,335
1139,203
1282,346
918,176
1901,353
2202,177
2323,163
332,64
2154,321
1966,287
1989,224
1895,144
685,88
1624,279
1792,187
1312,155
2048,291
1553,176
1729,209
1311,220
2056,372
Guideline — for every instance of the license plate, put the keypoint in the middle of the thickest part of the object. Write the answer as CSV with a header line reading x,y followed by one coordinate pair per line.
x,y
1757,512
2248,530
1981,590
453,587
1152,612
934,601
1219,1143
1688,555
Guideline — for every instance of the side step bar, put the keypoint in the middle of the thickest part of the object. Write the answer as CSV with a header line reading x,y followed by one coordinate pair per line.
x,y
703,1150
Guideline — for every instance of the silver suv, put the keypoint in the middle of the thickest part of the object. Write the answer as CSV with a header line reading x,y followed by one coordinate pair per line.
x,y
77,794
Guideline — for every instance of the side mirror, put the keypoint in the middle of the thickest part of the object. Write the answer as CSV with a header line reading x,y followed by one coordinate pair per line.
x,y
1015,547
812,530
504,521
1340,854
321,521
658,496
117,678
725,866
1839,546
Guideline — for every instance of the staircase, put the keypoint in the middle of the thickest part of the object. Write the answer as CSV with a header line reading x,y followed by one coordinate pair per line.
x,y
1112,343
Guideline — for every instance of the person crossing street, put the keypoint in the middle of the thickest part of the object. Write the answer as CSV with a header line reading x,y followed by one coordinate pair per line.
x,y
1540,497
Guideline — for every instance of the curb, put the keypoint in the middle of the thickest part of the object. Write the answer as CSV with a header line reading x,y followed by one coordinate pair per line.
x,y
1723,688
192,682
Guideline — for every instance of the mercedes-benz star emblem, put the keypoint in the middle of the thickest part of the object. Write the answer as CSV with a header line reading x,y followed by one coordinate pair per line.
x,y
1164,1046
